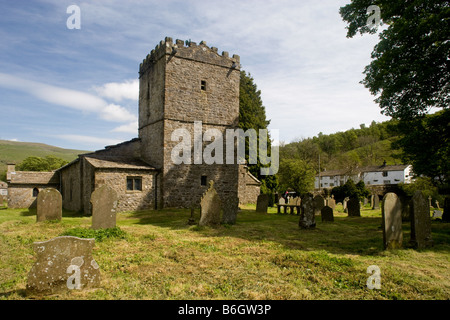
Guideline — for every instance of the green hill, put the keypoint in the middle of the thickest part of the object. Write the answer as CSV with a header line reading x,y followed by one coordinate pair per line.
x,y
364,146
14,151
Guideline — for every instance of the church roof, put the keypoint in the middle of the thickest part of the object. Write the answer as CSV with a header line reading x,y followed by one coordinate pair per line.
x,y
115,162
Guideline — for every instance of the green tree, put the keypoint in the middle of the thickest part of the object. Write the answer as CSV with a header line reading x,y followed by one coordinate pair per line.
x,y
297,175
425,142
252,115
47,163
410,69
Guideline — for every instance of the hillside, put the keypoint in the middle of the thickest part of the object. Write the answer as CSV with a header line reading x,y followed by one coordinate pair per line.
x,y
14,151
364,146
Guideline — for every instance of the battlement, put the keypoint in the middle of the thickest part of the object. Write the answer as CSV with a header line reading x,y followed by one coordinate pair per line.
x,y
191,51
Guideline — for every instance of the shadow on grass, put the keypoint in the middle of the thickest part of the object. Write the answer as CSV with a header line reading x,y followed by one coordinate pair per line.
x,y
346,235
65,213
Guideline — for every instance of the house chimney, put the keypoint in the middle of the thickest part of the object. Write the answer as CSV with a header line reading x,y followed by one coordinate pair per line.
x,y
384,163
11,169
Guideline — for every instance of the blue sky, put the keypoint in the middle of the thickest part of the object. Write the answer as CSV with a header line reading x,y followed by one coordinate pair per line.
x,y
78,89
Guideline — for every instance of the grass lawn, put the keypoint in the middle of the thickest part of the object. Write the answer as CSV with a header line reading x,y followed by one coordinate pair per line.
x,y
262,256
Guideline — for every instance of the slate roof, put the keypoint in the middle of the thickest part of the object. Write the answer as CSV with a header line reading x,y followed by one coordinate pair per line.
x,y
396,167
110,162
34,177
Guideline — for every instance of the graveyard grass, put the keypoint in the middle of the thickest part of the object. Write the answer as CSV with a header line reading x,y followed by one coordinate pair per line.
x,y
157,255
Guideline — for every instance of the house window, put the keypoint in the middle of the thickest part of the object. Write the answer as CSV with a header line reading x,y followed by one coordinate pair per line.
x,y
35,192
134,183
387,181
203,85
385,173
203,181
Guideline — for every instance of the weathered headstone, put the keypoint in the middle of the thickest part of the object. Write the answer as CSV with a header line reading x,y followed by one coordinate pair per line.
x,y
63,263
282,201
307,217
211,207
319,203
420,222
262,202
392,221
49,205
230,209
104,203
375,202
327,213
353,207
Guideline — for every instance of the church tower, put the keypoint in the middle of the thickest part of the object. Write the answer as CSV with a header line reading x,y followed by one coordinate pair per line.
x,y
182,86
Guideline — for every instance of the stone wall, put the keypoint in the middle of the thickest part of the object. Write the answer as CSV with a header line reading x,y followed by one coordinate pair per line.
x,y
71,187
128,200
249,188
180,85
22,184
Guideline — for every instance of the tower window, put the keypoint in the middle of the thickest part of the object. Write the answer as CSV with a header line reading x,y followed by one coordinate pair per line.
x,y
134,183
203,85
203,181
35,192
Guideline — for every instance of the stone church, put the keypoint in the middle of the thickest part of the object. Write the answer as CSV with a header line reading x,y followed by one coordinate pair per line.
x,y
179,84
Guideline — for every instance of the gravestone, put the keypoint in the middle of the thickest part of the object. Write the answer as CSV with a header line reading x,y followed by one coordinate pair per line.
x,y
282,201
429,201
405,203
420,222
353,207
437,214
327,213
437,205
391,213
211,207
104,203
331,202
319,203
345,204
49,205
63,263
230,209
307,216
1,200
375,201
262,202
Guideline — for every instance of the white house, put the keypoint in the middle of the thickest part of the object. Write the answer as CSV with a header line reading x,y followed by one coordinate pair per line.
x,y
372,175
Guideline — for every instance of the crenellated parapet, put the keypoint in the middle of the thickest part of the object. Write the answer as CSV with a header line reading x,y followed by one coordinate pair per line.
x,y
191,51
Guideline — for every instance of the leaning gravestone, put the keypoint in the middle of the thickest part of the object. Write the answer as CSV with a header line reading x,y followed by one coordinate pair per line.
x,y
262,203
420,222
49,205
307,217
104,203
391,212
319,203
327,213
211,207
353,207
63,263
230,210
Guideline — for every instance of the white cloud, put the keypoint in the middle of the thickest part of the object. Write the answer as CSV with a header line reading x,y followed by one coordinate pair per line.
x,y
131,127
118,91
68,98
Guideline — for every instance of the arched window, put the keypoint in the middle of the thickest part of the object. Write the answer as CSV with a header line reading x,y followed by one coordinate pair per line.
x,y
35,192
